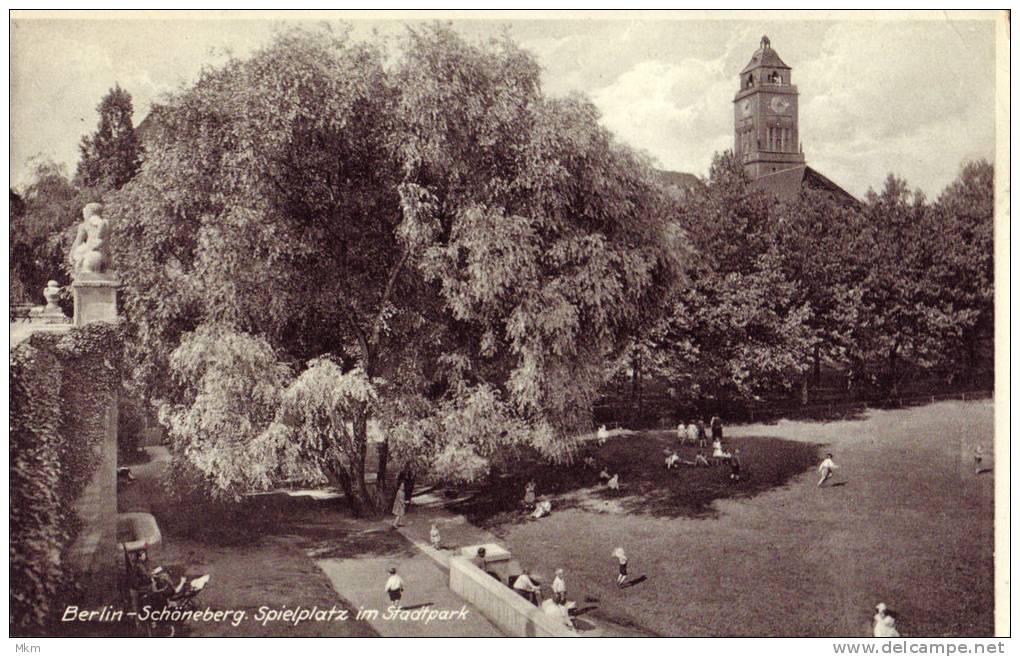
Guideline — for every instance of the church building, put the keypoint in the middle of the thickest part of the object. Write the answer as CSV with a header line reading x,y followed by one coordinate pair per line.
x,y
766,134
766,130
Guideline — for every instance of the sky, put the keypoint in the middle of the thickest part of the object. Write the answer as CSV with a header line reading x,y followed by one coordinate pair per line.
x,y
911,97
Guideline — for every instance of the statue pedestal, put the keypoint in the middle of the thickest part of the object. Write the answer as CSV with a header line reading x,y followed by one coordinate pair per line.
x,y
95,298
47,315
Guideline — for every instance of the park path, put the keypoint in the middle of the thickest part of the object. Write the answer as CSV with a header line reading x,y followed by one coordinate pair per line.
x,y
361,582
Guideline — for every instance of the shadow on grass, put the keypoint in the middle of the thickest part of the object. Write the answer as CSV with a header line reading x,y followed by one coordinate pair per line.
x,y
325,528
634,582
646,486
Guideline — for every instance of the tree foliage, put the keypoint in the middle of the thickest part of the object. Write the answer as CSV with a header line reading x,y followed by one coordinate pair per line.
x,y
895,288
426,244
41,231
112,154
234,383
928,281
739,329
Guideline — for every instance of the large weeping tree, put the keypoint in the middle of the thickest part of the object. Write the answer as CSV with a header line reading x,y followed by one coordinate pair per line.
x,y
443,257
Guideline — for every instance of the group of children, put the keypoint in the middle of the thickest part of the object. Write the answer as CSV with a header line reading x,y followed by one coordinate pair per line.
x,y
696,433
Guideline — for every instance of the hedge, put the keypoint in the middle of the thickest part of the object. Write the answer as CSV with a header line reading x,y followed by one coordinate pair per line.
x,y
60,388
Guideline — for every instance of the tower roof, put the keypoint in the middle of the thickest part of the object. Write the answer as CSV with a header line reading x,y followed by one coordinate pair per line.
x,y
764,56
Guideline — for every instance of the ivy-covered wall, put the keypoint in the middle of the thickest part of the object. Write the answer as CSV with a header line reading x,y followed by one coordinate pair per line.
x,y
63,400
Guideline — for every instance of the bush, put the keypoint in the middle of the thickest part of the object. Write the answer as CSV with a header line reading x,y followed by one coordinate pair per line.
x,y
38,534
60,388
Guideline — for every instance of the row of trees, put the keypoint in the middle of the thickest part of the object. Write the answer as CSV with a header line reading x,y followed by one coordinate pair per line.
x,y
340,266
780,290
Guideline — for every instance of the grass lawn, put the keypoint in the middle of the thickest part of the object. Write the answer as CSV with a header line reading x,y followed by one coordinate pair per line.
x,y
907,523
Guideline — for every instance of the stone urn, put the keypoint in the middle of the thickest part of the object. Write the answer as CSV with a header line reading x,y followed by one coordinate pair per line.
x,y
51,293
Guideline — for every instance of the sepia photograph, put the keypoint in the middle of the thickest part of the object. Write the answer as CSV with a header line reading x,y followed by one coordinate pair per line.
x,y
510,324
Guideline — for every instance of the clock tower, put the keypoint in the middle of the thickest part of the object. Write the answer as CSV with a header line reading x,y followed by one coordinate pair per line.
x,y
766,131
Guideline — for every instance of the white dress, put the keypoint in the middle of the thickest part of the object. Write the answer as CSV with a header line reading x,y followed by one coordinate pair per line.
x,y
885,626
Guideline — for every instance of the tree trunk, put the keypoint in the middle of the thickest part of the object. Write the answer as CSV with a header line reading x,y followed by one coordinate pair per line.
x,y
892,386
384,457
362,501
408,486
345,484
818,366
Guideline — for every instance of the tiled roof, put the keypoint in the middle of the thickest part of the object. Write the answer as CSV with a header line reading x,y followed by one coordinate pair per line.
x,y
680,179
764,56
787,184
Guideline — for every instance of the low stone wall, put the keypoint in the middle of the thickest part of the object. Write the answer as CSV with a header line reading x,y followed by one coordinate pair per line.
x,y
497,602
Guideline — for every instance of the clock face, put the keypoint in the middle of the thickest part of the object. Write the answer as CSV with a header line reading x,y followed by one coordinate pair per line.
x,y
779,104
745,107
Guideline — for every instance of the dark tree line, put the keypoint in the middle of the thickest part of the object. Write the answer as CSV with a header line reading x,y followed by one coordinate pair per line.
x,y
899,288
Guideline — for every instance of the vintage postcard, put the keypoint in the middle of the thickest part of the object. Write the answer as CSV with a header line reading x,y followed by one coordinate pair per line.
x,y
510,324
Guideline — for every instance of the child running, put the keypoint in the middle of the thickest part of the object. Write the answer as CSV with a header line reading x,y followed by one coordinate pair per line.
x,y
395,587
978,456
825,469
621,558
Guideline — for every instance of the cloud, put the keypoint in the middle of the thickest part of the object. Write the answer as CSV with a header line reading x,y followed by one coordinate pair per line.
x,y
912,99
678,112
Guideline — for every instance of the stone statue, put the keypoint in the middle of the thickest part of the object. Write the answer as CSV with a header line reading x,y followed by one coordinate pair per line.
x,y
90,252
